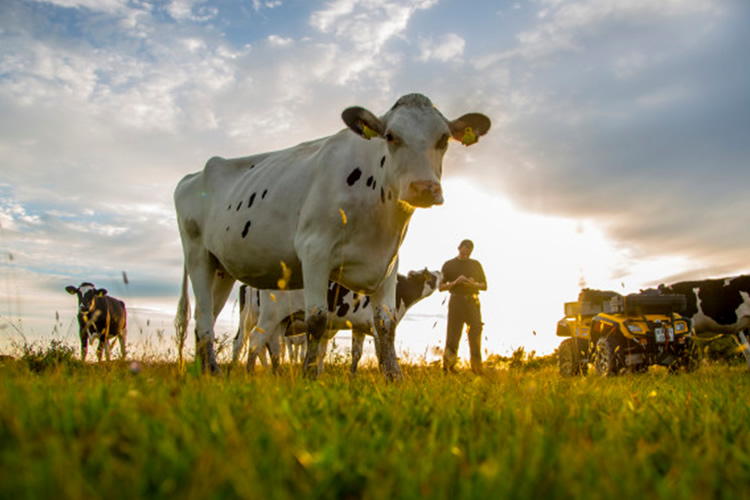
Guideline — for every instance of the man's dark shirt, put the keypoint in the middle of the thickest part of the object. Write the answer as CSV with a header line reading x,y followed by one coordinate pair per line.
x,y
470,268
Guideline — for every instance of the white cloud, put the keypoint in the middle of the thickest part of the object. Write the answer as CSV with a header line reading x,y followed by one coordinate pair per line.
x,y
268,4
109,6
191,10
367,25
565,23
279,41
449,48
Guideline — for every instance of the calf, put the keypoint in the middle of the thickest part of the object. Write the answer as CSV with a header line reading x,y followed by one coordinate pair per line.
x,y
99,317
267,316
718,306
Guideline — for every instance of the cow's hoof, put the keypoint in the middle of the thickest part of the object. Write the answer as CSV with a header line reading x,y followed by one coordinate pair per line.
x,y
310,372
394,375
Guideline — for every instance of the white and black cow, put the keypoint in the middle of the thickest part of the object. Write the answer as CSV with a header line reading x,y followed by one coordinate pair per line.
x,y
718,306
335,208
277,315
100,317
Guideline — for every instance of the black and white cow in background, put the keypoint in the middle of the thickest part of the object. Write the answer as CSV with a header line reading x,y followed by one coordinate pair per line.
x,y
331,209
267,316
718,306
100,317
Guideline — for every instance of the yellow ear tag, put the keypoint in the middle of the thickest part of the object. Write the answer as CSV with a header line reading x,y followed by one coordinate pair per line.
x,y
367,131
469,138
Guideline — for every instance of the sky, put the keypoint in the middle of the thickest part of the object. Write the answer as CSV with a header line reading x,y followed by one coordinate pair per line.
x,y
618,156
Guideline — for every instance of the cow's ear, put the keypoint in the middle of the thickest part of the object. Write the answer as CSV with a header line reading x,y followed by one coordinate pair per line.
x,y
101,292
362,122
71,289
469,128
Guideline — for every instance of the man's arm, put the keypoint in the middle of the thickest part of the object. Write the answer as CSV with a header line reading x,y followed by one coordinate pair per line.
x,y
479,285
480,282
446,285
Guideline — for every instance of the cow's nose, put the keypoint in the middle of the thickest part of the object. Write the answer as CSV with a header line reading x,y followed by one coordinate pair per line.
x,y
426,193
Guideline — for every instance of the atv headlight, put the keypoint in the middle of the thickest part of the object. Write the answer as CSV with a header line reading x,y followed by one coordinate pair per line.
x,y
634,328
680,327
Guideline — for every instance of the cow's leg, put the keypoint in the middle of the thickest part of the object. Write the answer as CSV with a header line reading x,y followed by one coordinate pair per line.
x,y
290,350
385,325
238,344
112,343
274,347
182,317
254,350
358,343
84,334
745,347
204,270
122,337
261,339
317,317
323,348
100,349
106,341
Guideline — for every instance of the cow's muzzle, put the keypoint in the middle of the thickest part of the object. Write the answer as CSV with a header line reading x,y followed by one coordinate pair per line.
x,y
425,194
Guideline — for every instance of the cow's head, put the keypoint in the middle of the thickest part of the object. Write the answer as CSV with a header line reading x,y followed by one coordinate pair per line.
x,y
417,137
87,294
416,285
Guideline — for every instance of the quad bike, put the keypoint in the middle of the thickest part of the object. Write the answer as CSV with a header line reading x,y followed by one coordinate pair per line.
x,y
624,333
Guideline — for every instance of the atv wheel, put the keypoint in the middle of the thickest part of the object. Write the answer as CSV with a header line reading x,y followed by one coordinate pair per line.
x,y
608,356
690,358
569,358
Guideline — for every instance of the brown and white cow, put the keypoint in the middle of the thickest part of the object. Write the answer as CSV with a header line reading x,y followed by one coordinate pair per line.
x,y
266,316
718,306
332,209
100,317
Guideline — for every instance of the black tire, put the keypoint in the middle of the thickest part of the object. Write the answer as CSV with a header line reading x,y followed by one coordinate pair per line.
x,y
690,358
569,356
609,359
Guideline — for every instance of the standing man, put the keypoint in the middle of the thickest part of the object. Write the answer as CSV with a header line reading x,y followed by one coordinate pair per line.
x,y
464,279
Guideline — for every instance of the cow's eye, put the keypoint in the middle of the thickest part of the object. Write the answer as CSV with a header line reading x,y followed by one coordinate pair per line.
x,y
442,143
391,138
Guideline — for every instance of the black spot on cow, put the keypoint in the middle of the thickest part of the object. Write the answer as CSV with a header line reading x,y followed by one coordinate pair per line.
x,y
192,229
263,196
247,228
374,183
252,166
251,200
382,162
227,228
342,310
390,195
239,205
229,207
370,180
382,196
336,294
354,176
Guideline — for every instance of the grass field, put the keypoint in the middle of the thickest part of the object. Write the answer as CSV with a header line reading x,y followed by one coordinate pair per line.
x,y
69,430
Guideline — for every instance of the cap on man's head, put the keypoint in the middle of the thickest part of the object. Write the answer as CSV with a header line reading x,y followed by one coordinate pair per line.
x,y
467,243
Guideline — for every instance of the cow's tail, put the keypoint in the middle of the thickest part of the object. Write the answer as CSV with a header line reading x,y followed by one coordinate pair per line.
x,y
182,318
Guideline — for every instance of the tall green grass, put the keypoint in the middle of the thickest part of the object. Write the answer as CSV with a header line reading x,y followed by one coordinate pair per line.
x,y
105,431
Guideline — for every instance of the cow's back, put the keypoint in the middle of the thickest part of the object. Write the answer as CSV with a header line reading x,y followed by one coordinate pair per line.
x,y
253,213
110,312
717,305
